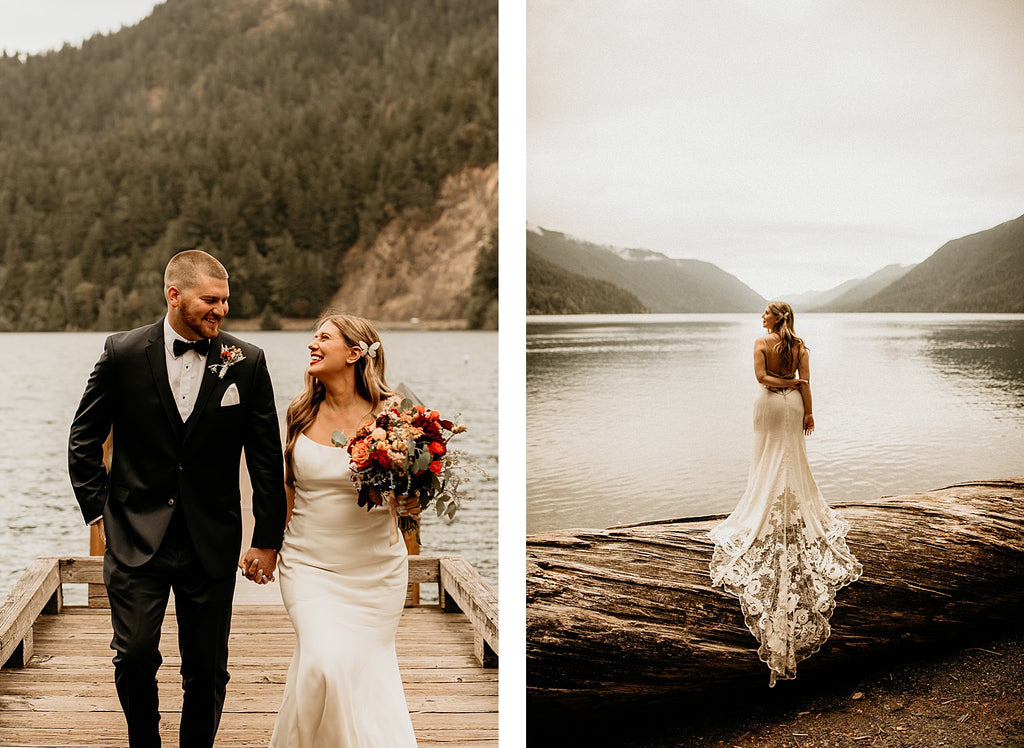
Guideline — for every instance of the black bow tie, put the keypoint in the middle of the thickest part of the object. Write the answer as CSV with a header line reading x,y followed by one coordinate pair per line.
x,y
202,347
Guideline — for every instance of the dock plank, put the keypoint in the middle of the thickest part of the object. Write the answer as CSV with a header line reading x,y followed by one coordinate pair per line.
x,y
65,696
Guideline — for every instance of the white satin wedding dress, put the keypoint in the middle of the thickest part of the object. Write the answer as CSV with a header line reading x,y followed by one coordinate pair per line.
x,y
344,587
783,550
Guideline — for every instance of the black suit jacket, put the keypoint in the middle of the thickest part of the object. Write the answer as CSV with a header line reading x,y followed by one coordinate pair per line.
x,y
160,464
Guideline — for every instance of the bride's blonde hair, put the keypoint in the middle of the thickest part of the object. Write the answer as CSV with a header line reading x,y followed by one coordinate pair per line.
x,y
370,382
789,344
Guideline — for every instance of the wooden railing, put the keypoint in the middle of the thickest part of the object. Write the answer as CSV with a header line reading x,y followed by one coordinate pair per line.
x,y
40,591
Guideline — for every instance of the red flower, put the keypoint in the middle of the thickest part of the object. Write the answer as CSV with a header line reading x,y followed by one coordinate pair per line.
x,y
437,448
435,467
381,457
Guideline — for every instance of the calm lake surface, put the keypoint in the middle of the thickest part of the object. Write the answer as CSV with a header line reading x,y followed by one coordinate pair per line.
x,y
633,418
43,375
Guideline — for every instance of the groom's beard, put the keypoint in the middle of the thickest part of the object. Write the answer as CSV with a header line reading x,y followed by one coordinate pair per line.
x,y
198,319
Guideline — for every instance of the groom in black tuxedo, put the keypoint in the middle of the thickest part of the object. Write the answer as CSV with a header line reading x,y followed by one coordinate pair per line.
x,y
183,400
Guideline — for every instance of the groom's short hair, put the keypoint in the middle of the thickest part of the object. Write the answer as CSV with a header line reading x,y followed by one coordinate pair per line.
x,y
185,268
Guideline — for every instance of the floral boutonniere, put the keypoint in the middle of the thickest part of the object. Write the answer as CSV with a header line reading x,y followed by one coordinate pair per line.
x,y
229,356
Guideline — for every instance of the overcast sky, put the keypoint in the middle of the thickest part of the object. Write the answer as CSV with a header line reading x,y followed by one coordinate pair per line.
x,y
795,144
36,26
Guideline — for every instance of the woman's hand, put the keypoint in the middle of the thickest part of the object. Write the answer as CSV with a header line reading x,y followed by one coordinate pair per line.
x,y
808,424
408,506
258,565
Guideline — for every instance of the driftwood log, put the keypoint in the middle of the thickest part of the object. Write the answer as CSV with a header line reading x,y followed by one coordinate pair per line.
x,y
629,613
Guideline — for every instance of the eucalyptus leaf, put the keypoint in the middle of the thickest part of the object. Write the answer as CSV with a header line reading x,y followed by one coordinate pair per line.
x,y
338,438
421,463
451,510
407,404
439,506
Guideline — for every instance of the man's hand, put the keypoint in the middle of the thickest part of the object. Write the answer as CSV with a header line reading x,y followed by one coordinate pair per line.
x,y
98,524
258,565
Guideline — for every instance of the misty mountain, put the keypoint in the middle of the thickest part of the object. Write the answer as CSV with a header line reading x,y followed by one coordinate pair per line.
x,y
551,289
807,301
660,283
982,272
849,296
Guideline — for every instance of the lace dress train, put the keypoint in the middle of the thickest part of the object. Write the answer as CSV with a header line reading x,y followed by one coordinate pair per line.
x,y
783,550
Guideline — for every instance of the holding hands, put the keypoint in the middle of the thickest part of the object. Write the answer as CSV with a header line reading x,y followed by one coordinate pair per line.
x,y
258,565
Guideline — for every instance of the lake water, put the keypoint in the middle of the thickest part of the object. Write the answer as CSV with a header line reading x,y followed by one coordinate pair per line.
x,y
42,376
634,418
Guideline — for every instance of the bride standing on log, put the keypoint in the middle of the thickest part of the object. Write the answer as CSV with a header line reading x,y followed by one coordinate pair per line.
x,y
783,550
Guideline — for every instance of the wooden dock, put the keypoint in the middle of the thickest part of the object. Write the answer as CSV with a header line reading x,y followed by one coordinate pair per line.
x,y
57,687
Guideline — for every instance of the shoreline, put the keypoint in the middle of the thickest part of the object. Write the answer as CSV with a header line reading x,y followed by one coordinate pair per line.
x,y
250,324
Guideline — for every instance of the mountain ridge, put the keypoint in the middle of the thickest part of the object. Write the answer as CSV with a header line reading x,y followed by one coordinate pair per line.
x,y
847,297
661,283
979,272
555,290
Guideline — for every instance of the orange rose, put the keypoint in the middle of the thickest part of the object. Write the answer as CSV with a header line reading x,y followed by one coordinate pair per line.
x,y
435,466
360,455
437,448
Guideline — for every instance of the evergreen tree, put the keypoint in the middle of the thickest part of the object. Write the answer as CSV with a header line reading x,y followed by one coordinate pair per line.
x,y
280,142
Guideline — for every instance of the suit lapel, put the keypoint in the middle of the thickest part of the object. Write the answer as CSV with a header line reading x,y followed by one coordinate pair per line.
x,y
209,383
158,365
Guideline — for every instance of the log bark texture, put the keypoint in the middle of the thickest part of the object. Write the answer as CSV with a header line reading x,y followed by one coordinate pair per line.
x,y
629,613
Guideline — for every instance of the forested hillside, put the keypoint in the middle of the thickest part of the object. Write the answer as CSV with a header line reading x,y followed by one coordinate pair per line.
x,y
275,134
982,272
438,271
854,293
551,289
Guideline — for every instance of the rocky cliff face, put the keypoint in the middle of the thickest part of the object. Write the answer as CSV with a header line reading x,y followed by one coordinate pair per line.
x,y
424,269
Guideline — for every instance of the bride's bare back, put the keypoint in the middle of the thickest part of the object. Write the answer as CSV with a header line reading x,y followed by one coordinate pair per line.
x,y
773,359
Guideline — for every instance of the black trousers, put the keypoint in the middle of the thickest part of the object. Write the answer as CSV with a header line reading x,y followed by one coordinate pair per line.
x,y
138,602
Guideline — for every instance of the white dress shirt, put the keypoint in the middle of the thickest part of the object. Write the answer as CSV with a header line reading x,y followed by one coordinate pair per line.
x,y
184,373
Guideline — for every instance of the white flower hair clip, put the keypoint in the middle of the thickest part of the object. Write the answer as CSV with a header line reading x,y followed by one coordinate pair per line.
x,y
368,350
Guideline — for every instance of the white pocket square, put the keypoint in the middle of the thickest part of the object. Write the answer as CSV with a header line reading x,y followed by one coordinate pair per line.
x,y
230,396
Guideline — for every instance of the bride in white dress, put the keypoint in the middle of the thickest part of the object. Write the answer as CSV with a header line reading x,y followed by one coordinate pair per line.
x,y
343,580
783,550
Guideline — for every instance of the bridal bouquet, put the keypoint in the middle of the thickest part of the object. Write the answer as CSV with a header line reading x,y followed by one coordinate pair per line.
x,y
405,451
